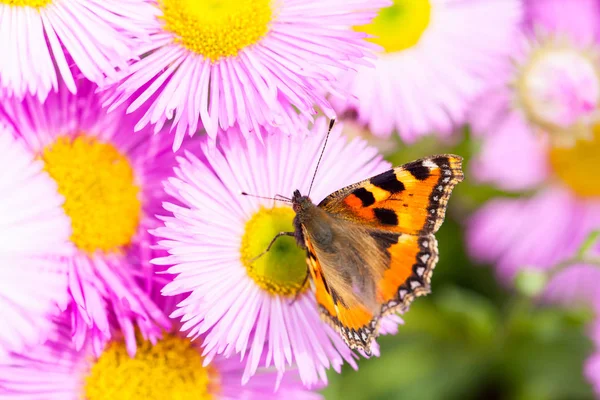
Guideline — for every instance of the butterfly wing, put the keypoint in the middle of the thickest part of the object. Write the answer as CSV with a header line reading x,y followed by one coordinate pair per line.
x,y
408,199
384,251
366,273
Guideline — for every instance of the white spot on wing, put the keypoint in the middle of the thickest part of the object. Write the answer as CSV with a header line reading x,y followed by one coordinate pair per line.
x,y
414,284
429,164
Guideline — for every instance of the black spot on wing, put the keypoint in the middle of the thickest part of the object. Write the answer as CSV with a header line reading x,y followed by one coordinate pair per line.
x,y
385,239
365,196
386,216
442,162
418,170
388,182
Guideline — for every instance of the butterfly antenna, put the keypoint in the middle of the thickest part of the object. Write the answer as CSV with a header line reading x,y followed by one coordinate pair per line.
x,y
277,197
331,123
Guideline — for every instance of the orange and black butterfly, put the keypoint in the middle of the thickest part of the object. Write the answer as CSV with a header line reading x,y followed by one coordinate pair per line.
x,y
371,247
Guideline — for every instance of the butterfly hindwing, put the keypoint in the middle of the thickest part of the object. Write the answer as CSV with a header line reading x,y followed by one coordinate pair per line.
x,y
409,199
412,260
354,322
399,272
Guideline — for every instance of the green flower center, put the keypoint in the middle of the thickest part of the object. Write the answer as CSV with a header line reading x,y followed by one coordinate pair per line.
x,y
282,270
399,26
170,369
217,28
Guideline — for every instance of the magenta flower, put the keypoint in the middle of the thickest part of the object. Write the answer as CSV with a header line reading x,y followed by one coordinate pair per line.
x,y
438,55
543,141
249,64
35,234
246,306
110,179
168,367
41,39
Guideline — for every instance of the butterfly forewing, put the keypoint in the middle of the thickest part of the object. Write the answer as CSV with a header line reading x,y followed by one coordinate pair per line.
x,y
407,199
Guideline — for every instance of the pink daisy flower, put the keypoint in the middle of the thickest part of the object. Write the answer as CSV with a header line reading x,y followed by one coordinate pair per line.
x,y
34,235
437,56
110,179
546,142
249,64
246,306
168,367
41,39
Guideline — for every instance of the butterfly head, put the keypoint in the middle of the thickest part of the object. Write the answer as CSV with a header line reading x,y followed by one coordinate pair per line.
x,y
300,203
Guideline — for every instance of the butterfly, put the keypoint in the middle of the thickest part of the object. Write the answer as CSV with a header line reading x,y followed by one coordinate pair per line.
x,y
371,247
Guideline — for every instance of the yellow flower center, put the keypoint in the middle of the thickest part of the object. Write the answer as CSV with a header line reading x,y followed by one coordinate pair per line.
x,y
558,88
170,369
399,26
282,270
577,166
217,28
101,196
27,3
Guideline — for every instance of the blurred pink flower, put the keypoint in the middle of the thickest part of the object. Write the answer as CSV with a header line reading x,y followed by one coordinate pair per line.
x,y
438,55
550,88
535,232
576,19
111,179
255,306
543,141
577,283
41,39
250,64
35,234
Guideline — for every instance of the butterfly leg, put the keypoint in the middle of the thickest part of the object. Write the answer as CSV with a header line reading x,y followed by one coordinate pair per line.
x,y
301,287
271,244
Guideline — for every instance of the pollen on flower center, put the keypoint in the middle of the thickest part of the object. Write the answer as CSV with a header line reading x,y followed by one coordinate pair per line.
x,y
399,26
170,369
98,185
577,166
281,271
559,90
27,3
217,28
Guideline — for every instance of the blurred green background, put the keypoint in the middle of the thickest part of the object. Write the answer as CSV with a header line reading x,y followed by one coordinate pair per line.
x,y
472,338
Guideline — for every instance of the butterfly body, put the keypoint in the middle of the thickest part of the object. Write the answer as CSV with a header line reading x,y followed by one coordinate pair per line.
x,y
370,246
